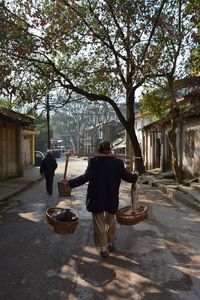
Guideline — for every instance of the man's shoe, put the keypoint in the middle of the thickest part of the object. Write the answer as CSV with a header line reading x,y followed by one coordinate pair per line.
x,y
111,247
104,254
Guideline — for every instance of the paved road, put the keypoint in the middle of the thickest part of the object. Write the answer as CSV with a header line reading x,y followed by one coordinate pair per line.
x,y
158,259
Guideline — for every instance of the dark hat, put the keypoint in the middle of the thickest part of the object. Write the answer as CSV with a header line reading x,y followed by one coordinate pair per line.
x,y
104,146
49,153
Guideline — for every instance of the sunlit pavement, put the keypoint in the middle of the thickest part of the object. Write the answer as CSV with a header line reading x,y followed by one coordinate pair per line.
x,y
157,259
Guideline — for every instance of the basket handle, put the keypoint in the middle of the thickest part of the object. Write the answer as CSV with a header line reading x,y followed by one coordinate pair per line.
x,y
134,197
66,165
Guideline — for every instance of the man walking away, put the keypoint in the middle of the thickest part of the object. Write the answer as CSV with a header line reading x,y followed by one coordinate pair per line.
x,y
104,174
47,168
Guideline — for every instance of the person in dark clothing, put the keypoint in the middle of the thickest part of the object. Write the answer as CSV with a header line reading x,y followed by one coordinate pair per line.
x,y
47,168
104,175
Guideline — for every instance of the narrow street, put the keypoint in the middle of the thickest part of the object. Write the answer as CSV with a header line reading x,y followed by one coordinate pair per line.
x,y
157,259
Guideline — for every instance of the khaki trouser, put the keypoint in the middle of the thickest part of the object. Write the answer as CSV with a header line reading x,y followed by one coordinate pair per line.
x,y
104,228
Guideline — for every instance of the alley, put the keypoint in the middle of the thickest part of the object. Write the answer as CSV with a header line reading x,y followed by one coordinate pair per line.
x,y
155,259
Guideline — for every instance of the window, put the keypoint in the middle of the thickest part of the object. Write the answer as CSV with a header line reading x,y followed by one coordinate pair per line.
x,y
189,143
151,140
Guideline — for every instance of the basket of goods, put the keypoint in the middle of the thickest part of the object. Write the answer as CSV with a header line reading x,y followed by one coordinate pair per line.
x,y
63,221
63,186
133,214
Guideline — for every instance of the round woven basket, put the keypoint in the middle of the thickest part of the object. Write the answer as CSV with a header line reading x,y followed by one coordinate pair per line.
x,y
126,215
133,214
60,227
63,188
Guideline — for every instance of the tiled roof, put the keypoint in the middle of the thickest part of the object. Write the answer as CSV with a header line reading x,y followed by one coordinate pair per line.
x,y
187,81
192,112
13,116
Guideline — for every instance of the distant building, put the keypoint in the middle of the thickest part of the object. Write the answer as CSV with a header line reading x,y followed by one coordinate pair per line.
x,y
104,131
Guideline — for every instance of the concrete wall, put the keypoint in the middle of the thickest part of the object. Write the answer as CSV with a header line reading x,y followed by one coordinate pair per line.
x,y
28,147
191,162
188,146
16,149
9,151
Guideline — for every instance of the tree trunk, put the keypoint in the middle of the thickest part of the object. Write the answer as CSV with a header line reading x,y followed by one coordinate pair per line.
x,y
130,128
139,164
175,161
172,134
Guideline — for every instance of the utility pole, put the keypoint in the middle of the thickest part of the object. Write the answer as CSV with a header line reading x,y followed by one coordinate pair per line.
x,y
48,123
78,134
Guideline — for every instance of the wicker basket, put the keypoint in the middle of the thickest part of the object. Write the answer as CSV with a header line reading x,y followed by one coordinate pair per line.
x,y
59,226
133,214
64,188
126,215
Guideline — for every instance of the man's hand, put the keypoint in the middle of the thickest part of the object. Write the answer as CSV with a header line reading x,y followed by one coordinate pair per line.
x,y
66,183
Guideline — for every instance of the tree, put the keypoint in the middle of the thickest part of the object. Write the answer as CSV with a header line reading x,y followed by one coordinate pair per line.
x,y
155,103
97,49
41,142
176,40
193,5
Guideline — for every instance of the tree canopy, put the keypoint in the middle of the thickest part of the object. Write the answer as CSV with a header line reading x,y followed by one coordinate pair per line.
x,y
97,49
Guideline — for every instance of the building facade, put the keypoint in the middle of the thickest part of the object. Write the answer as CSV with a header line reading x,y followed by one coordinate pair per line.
x,y
16,143
155,143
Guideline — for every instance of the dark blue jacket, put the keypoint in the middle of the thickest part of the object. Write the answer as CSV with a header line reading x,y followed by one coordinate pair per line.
x,y
48,166
104,175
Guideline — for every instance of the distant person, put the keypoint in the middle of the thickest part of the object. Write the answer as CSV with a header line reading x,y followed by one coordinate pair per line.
x,y
104,175
47,168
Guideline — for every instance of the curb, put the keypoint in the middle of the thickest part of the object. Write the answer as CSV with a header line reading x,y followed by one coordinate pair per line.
x,y
21,188
172,192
